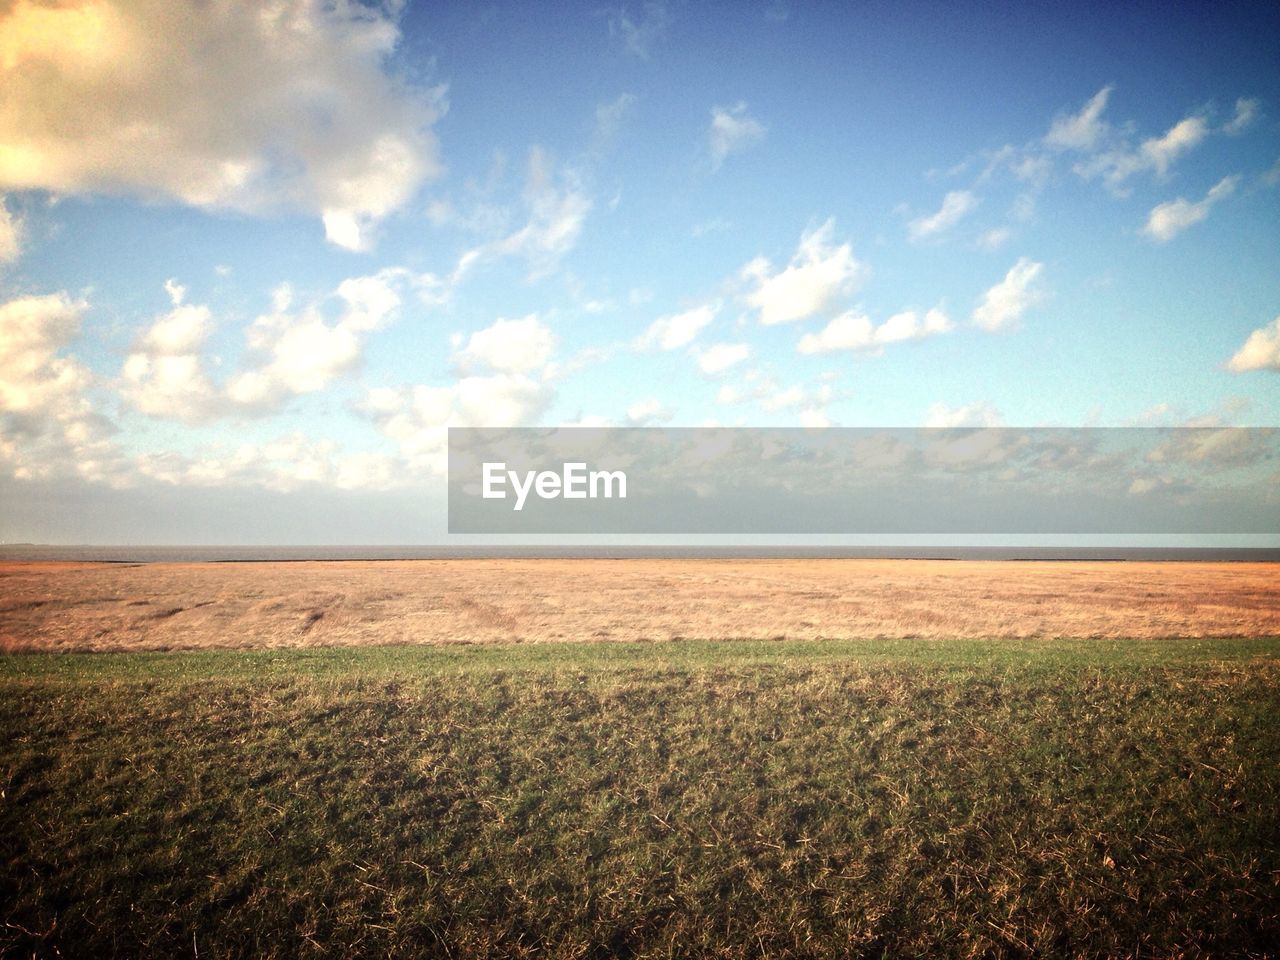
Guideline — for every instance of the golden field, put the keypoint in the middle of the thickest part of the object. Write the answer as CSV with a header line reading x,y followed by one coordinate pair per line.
x,y
174,606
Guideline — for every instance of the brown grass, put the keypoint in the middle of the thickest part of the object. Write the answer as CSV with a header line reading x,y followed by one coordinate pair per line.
x,y
82,606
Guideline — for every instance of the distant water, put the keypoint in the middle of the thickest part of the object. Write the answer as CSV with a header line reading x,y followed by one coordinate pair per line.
x,y
199,554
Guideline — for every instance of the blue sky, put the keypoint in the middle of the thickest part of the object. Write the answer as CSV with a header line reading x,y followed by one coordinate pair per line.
x,y
274,255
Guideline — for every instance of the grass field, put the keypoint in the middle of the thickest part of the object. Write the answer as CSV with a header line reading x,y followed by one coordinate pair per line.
x,y
921,797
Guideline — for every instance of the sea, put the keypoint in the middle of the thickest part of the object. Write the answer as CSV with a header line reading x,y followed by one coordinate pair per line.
x,y
263,554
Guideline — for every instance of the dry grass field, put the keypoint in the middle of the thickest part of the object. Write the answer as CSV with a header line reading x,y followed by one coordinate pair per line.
x,y
116,607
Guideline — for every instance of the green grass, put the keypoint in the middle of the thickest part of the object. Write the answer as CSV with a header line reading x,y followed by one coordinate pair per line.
x,y
728,799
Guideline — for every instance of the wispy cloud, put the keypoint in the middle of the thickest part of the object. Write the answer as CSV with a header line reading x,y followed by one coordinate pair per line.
x,y
609,117
1172,217
639,32
1156,154
955,206
732,130
1005,303
556,207
1082,130
1247,111
678,329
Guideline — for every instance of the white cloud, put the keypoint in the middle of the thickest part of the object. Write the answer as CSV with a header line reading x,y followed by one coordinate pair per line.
x,y
47,425
1170,218
980,414
732,131
1083,130
814,418
719,357
810,404
10,233
1260,352
648,412
302,353
638,34
417,417
678,329
849,331
1156,154
854,331
33,330
163,375
517,391
1182,137
818,273
785,399
1004,304
1247,111
291,351
283,464
556,208
955,206
236,106
510,346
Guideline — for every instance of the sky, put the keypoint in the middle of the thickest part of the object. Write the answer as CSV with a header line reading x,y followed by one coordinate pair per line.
x,y
256,258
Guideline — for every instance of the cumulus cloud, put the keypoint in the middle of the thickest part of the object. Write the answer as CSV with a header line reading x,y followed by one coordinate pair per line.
x,y
282,464
1260,352
819,272
955,206
1170,218
1004,304
291,351
676,330
300,352
1083,130
500,389
855,331
509,346
233,105
732,131
33,331
164,374
47,425
10,233
719,357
